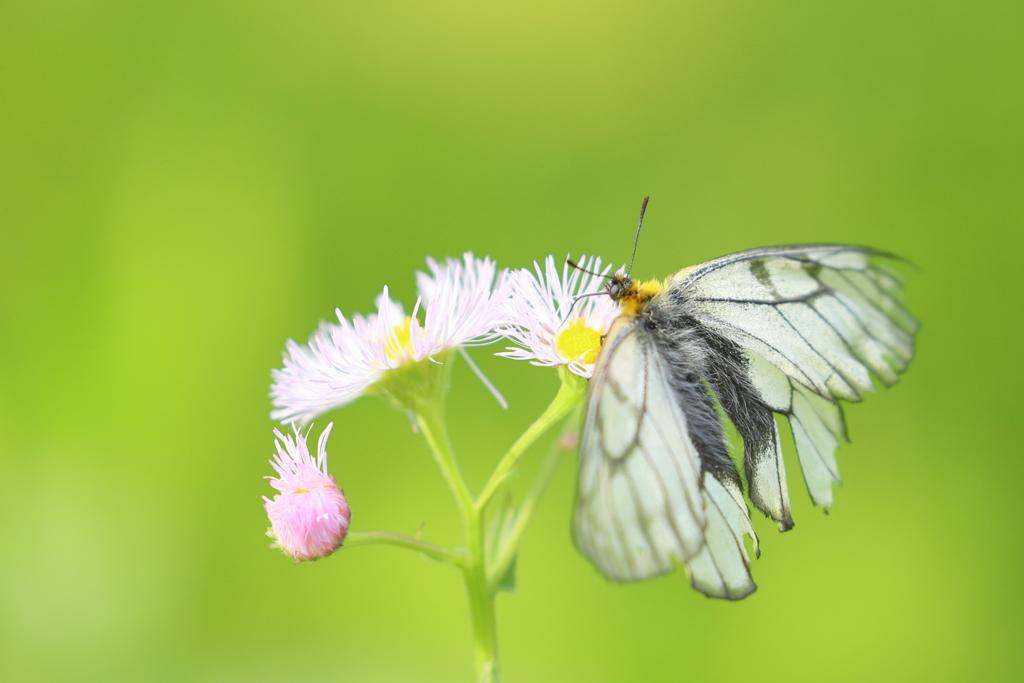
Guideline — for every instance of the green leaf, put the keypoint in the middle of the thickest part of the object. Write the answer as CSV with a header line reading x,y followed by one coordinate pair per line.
x,y
498,531
508,579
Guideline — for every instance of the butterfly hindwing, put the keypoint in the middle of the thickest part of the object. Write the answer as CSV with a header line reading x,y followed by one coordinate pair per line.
x,y
641,502
722,568
816,423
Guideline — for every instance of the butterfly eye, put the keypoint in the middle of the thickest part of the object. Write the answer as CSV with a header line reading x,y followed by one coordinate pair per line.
x,y
614,289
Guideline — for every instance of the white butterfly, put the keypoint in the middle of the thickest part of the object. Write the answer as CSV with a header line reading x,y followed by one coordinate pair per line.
x,y
786,330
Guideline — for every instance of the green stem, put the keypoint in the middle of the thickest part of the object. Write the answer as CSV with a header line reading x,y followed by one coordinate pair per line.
x,y
430,417
481,603
480,587
569,394
358,538
510,546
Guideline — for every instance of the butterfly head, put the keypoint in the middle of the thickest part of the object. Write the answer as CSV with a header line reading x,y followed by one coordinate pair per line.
x,y
631,295
617,285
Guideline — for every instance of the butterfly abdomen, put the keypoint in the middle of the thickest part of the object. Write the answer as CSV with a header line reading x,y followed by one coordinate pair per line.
x,y
687,357
722,369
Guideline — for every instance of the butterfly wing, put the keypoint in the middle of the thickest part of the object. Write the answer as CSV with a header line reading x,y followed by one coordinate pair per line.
x,y
812,324
641,502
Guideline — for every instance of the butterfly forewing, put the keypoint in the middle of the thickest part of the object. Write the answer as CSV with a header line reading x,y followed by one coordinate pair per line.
x,y
825,315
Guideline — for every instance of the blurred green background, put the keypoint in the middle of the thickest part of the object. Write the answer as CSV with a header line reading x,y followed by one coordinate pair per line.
x,y
184,186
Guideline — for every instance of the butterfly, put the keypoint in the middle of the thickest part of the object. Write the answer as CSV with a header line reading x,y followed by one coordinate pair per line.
x,y
788,330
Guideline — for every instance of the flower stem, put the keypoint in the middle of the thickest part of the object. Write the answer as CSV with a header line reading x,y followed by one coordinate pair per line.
x,y
569,394
481,603
358,538
430,418
558,450
481,585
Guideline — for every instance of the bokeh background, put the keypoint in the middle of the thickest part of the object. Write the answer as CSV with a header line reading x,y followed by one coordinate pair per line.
x,y
184,186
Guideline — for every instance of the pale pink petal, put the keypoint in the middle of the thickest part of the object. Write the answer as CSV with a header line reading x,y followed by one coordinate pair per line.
x,y
310,516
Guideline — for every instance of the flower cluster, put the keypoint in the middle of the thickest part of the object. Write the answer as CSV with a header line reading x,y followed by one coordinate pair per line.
x,y
555,317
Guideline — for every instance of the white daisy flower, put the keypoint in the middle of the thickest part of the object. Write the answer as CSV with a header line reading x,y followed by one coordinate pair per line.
x,y
341,361
559,318
463,302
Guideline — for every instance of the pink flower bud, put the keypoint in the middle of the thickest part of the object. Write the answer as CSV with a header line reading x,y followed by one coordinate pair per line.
x,y
310,517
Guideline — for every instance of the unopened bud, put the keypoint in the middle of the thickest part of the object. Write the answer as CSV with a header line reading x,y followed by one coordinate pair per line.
x,y
310,516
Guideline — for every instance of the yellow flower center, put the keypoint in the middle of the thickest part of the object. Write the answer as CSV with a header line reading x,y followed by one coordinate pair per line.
x,y
317,486
399,345
578,342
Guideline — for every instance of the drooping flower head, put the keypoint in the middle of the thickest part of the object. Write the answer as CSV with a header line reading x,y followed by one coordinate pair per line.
x,y
310,516
548,320
460,301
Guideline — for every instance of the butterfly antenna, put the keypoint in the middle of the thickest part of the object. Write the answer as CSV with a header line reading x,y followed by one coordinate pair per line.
x,y
582,269
576,299
636,240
